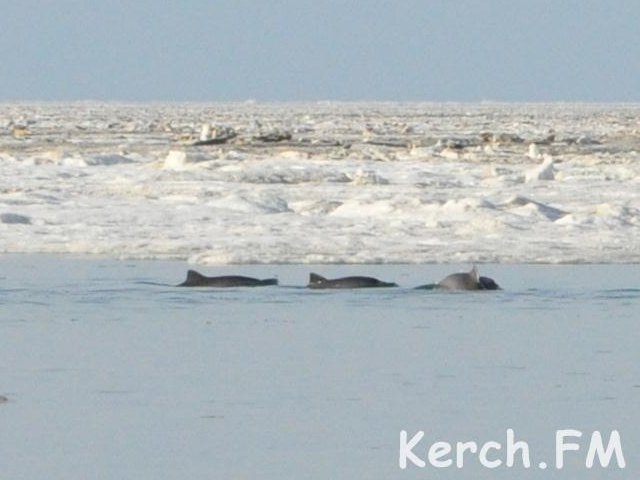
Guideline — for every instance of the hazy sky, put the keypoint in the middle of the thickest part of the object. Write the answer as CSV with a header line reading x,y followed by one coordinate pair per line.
x,y
466,50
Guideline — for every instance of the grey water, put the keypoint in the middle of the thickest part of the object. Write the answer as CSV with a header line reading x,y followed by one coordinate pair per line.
x,y
111,372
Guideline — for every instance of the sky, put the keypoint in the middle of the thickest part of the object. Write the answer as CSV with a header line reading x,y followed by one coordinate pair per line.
x,y
308,50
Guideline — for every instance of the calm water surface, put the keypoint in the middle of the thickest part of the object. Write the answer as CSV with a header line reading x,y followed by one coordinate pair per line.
x,y
112,373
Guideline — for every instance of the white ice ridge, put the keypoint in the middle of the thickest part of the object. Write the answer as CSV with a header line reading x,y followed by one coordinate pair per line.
x,y
544,171
323,182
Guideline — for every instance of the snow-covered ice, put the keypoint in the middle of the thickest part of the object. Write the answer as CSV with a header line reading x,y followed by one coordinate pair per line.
x,y
323,182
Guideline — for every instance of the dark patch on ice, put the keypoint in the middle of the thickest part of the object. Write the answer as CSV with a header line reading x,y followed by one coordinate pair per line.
x,y
107,160
14,218
274,136
548,211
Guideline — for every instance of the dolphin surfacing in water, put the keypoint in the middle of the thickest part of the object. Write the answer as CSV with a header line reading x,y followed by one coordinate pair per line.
x,y
464,281
195,279
318,281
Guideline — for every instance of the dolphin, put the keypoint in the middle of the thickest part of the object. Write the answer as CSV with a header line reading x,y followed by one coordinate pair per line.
x,y
464,281
486,283
318,281
195,279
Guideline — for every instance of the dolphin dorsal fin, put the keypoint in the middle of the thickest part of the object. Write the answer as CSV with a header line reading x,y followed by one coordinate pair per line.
x,y
193,276
315,278
474,274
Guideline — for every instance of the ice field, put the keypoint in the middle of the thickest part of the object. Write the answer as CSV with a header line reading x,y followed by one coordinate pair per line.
x,y
322,182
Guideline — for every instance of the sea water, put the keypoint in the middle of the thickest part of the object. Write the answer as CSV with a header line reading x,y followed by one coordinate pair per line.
x,y
109,371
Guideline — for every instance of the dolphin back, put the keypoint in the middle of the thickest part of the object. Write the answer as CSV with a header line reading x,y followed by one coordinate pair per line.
x,y
240,281
459,281
468,281
428,286
195,279
318,281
